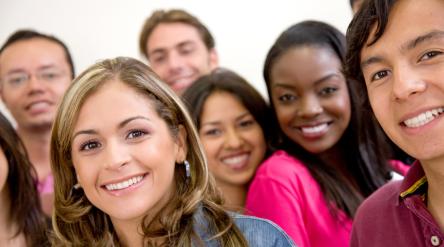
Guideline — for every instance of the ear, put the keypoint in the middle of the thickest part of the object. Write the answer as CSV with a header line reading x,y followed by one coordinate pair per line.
x,y
181,144
214,59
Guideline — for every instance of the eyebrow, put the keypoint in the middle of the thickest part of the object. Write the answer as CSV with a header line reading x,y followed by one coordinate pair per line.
x,y
121,125
436,34
21,70
423,38
162,50
317,82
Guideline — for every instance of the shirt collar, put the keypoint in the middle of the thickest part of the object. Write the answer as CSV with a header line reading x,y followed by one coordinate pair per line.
x,y
413,182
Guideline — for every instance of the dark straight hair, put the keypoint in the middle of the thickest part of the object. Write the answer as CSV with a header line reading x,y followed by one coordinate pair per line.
x,y
25,209
362,143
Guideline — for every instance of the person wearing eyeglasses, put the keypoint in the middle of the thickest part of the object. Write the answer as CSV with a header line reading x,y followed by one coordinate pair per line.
x,y
35,71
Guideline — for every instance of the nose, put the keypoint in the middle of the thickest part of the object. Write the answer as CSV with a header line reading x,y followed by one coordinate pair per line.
x,y
116,156
407,82
35,85
175,62
309,107
232,139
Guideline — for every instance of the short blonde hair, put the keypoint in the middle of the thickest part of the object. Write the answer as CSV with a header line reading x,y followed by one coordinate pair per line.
x,y
75,220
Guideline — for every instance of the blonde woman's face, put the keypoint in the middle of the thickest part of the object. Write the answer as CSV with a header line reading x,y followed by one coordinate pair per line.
x,y
124,154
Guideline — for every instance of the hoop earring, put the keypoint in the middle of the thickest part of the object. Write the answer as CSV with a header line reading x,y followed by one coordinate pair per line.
x,y
187,168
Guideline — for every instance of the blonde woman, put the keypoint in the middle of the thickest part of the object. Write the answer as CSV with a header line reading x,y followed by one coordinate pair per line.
x,y
129,169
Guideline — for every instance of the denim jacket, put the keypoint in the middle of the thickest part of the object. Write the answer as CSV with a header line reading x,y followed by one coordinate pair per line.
x,y
258,232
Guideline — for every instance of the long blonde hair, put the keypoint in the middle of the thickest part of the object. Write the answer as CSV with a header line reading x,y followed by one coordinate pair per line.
x,y
77,222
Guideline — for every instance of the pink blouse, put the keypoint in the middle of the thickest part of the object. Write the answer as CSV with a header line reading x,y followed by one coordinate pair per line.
x,y
284,191
46,186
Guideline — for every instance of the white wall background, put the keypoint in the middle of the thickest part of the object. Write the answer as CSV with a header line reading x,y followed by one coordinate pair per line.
x,y
98,29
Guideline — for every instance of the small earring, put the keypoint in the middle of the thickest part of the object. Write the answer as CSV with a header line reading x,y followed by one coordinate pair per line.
x,y
187,168
76,186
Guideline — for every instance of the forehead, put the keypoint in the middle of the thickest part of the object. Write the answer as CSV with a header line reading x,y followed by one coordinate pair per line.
x,y
172,34
32,54
305,63
216,104
408,20
126,99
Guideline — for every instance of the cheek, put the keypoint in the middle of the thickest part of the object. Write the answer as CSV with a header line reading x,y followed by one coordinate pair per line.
x,y
84,173
256,137
380,109
284,115
60,88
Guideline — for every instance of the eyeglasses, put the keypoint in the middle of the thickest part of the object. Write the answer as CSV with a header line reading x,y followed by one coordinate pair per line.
x,y
19,79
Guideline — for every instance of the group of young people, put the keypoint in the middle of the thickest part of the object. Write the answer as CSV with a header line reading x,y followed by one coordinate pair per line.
x,y
185,153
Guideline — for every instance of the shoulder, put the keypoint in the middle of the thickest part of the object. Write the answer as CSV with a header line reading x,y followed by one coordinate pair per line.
x,y
281,163
378,207
261,232
385,196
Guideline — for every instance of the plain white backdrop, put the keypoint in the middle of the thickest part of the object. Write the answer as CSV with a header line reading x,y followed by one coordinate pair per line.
x,y
99,29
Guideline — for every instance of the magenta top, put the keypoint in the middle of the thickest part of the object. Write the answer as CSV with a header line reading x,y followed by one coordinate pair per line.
x,y
285,192
46,186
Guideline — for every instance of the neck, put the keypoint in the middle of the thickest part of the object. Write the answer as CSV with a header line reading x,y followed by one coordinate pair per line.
x,y
234,196
37,146
129,233
435,195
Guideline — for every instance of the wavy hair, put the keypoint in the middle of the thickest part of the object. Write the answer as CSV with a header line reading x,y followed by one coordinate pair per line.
x,y
77,222
24,202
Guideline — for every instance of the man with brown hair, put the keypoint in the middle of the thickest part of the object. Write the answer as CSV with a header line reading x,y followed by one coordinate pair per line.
x,y
178,47
396,54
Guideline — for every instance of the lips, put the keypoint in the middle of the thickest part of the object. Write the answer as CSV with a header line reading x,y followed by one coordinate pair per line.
x,y
236,161
314,130
182,81
37,106
423,118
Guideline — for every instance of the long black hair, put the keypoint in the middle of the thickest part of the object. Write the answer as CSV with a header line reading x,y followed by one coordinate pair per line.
x,y
366,153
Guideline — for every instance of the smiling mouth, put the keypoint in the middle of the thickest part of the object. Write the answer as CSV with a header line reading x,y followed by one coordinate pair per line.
x,y
423,118
313,130
237,161
124,184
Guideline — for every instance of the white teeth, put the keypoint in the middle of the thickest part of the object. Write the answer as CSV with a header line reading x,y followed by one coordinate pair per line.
x,y
235,160
124,184
423,118
315,129
38,105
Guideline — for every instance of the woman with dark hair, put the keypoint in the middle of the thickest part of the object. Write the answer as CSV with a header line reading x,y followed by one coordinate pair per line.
x,y
331,155
231,118
22,222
